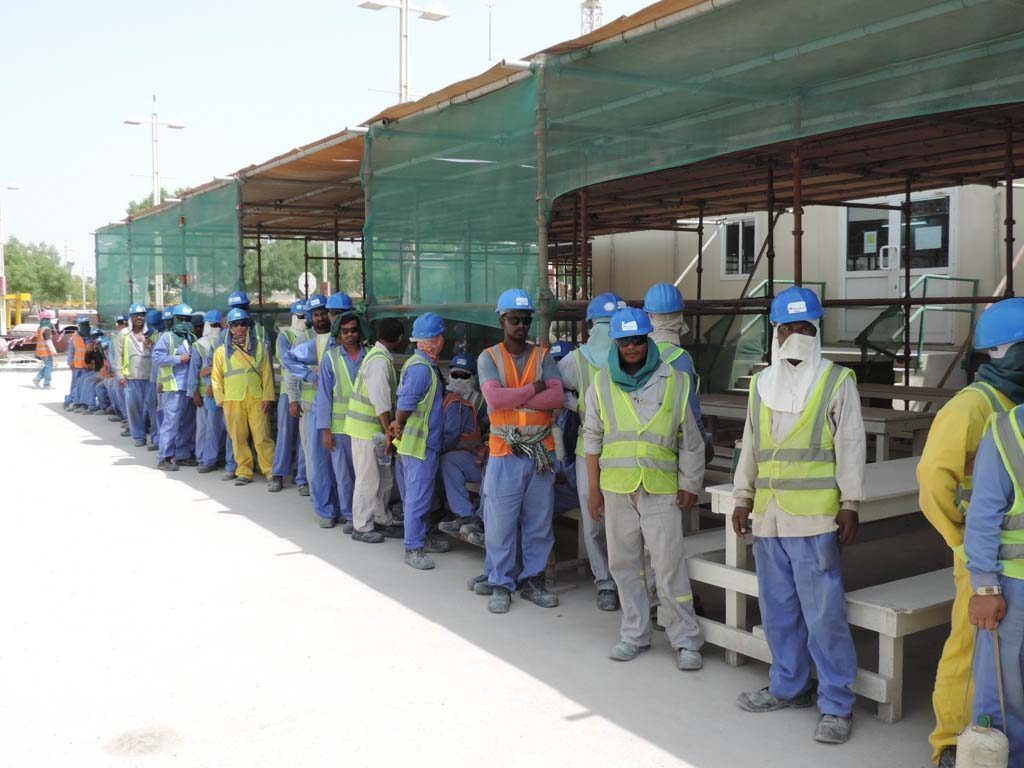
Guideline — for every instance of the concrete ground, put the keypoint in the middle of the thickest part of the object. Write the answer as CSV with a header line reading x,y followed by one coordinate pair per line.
x,y
154,619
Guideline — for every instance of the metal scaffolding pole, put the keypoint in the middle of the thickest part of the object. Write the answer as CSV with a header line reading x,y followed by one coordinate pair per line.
x,y
541,131
798,219
259,264
305,266
771,232
905,253
1010,172
337,264
700,277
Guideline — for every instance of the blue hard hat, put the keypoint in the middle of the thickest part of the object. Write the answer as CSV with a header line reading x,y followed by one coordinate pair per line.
x,y
182,310
513,299
339,300
463,363
630,322
316,301
604,305
168,314
237,315
136,309
213,316
153,317
238,299
663,299
427,326
562,348
120,318
298,307
82,319
96,333
1002,323
796,304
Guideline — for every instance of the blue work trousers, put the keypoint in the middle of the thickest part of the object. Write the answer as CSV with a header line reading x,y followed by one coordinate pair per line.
x,y
154,413
87,389
459,467
803,610
102,393
1011,650
289,459
136,400
200,439
418,478
117,398
344,475
177,432
216,431
323,487
519,504
46,372
72,396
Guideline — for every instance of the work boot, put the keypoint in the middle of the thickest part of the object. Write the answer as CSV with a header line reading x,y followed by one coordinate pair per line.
x,y
476,539
126,433
228,476
607,600
483,588
110,412
274,486
206,468
689,661
36,383
436,546
764,701
152,447
327,522
452,526
113,418
419,559
481,579
242,480
471,525
624,651
139,443
500,601
948,757
534,590
347,527
390,531
167,465
833,730
189,462
303,490
370,537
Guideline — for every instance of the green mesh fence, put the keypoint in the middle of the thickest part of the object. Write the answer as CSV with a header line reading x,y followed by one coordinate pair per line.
x,y
452,209
194,244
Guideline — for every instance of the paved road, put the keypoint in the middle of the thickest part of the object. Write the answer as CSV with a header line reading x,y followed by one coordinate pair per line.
x,y
153,619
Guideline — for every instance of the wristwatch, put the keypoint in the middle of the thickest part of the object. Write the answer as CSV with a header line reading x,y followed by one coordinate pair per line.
x,y
988,591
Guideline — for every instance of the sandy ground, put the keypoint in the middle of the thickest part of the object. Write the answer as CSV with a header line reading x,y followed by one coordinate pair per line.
x,y
153,619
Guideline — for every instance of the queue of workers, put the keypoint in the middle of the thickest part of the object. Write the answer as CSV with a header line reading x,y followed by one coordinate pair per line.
x,y
612,426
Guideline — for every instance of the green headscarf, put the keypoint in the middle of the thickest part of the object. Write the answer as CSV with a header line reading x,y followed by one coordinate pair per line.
x,y
1006,373
633,382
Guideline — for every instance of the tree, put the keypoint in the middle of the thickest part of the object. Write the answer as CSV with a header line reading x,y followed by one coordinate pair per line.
x,y
35,268
135,206
283,265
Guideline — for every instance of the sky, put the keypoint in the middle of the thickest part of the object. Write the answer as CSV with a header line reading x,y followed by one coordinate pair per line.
x,y
249,79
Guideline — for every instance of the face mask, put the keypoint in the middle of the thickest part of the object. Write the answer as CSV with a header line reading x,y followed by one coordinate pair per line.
x,y
461,387
797,347
298,323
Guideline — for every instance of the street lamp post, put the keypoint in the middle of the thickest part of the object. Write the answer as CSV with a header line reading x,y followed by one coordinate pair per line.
x,y
436,12
3,267
490,29
155,124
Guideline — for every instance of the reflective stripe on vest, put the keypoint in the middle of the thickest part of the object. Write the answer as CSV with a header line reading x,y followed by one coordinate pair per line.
x,y
526,420
799,473
362,419
288,333
166,378
417,426
1010,441
995,403
241,371
342,389
78,344
633,452
468,441
203,347
585,373
671,352
41,349
308,390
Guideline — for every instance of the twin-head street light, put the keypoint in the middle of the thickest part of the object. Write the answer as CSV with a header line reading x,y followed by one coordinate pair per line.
x,y
3,269
436,12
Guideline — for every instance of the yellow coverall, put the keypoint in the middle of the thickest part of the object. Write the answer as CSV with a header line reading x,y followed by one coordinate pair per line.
x,y
948,456
243,396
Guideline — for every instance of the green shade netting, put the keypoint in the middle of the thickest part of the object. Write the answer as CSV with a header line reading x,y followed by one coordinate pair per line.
x,y
194,244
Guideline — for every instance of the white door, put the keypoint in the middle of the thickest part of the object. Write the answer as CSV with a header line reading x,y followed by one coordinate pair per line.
x,y
872,251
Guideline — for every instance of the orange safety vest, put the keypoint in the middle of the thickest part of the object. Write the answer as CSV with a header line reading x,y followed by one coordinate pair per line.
x,y
41,349
518,417
79,344
468,441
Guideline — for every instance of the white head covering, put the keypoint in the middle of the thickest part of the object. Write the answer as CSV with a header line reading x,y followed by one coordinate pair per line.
x,y
787,387
464,388
668,327
598,343
210,331
298,324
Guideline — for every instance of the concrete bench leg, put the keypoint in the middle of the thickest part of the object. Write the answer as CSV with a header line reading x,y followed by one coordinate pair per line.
x,y
735,602
890,665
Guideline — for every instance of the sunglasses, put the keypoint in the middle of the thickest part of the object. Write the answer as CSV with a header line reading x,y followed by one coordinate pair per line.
x,y
524,321
239,324
347,331
632,341
460,375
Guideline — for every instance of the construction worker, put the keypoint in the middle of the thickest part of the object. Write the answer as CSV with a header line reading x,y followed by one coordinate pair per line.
x,y
567,431
115,350
136,367
944,477
417,432
172,354
338,371
289,458
645,463
155,325
104,376
801,476
45,350
242,380
209,418
367,423
337,303
93,365
463,451
578,371
303,362
994,548
76,362
521,385
240,300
